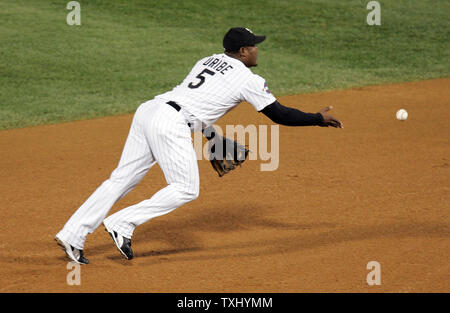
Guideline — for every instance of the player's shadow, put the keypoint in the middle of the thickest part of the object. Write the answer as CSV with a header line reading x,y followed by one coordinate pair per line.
x,y
184,236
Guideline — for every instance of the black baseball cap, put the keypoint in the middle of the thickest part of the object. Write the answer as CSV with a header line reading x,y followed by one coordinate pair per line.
x,y
238,37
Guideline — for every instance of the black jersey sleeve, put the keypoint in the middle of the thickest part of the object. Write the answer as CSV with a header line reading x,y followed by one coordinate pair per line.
x,y
291,117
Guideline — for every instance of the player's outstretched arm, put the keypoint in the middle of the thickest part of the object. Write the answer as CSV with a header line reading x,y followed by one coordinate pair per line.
x,y
292,117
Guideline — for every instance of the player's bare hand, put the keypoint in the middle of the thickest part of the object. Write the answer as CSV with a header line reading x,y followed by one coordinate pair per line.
x,y
328,119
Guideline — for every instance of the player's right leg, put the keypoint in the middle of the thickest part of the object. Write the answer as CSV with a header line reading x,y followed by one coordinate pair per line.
x,y
134,163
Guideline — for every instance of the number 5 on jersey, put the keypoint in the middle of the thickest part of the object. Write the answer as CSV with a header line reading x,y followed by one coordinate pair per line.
x,y
201,78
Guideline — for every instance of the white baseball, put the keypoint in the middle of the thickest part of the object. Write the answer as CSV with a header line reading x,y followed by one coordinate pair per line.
x,y
402,114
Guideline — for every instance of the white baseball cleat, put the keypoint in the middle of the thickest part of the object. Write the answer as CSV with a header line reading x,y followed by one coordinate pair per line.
x,y
122,243
76,255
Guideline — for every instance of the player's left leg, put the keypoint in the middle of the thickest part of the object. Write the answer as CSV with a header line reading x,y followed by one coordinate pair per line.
x,y
134,163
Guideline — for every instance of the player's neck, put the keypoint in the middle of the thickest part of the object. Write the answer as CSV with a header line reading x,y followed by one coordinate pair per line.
x,y
235,56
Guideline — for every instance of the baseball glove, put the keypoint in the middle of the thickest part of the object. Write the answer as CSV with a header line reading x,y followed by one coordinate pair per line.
x,y
226,154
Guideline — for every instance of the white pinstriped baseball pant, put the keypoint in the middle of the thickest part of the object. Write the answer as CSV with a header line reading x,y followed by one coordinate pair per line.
x,y
158,133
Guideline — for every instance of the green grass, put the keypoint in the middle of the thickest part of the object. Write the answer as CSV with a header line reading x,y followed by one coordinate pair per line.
x,y
126,52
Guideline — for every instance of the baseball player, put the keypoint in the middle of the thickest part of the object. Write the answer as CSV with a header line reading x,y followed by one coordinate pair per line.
x,y
161,133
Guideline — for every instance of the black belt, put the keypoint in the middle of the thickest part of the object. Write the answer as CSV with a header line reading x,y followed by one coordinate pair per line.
x,y
176,107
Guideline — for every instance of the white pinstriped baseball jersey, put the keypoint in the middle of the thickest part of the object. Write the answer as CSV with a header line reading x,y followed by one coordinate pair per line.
x,y
159,134
215,85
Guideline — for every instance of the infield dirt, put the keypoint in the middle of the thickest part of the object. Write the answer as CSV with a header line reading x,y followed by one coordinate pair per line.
x,y
377,190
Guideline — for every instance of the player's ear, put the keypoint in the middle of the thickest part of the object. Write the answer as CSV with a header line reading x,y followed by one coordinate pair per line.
x,y
243,51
